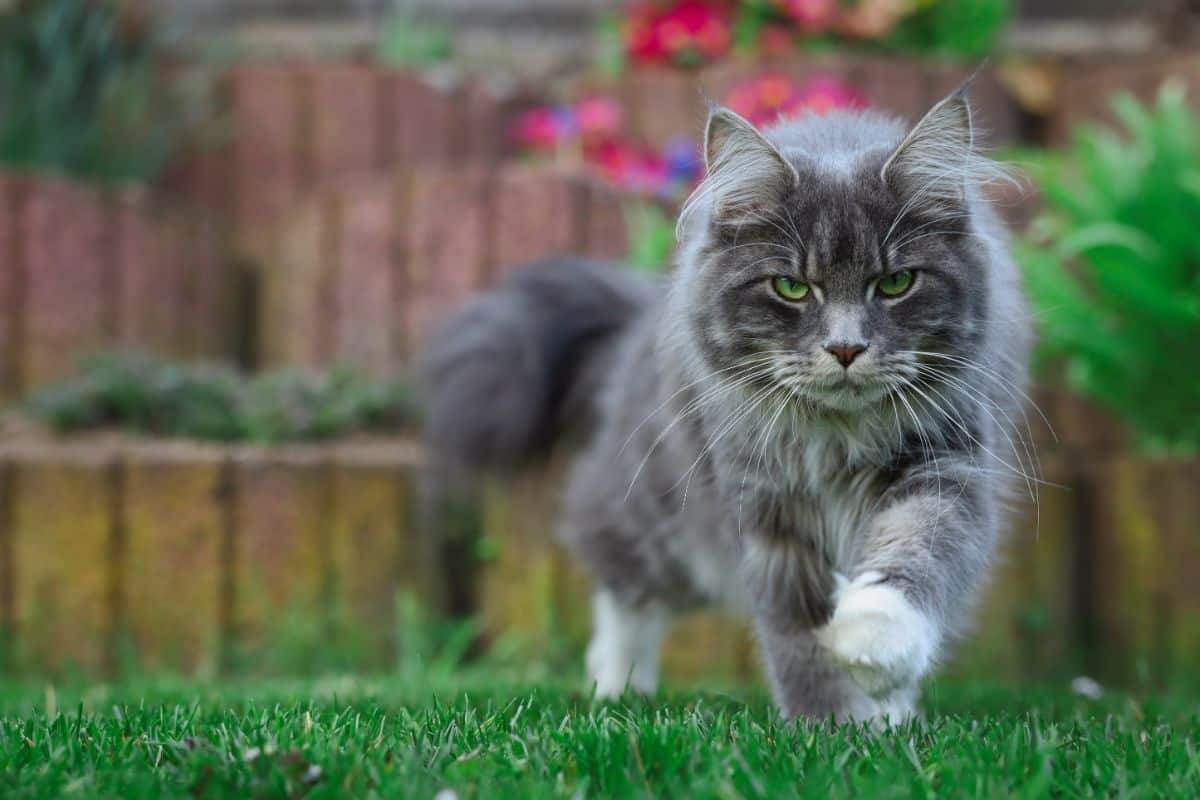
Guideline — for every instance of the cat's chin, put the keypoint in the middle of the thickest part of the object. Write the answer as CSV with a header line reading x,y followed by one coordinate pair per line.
x,y
847,398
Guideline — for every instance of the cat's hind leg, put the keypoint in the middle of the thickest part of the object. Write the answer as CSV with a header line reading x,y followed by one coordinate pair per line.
x,y
625,647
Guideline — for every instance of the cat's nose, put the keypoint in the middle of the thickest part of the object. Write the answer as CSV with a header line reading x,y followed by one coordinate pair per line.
x,y
845,352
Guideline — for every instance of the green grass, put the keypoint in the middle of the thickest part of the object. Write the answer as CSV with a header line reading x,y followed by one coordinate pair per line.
x,y
387,738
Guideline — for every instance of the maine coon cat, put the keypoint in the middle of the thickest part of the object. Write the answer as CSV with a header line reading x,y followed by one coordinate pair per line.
x,y
813,420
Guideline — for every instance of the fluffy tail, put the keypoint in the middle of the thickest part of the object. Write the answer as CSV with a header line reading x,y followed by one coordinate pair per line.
x,y
521,367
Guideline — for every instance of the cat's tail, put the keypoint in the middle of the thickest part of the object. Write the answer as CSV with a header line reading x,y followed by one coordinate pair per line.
x,y
521,367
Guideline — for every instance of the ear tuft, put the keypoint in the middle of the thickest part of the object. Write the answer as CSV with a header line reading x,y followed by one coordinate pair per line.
x,y
936,159
746,174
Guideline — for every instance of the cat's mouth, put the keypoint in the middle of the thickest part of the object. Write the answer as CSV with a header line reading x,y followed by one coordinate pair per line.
x,y
847,393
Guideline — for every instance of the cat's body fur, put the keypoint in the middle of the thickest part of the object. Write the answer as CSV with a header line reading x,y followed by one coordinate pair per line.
x,y
729,460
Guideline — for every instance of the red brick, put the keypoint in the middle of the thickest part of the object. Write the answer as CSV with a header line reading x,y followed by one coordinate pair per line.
x,y
208,302
667,107
12,280
446,247
296,283
148,311
173,555
539,213
423,123
69,296
268,149
345,125
895,85
606,234
366,271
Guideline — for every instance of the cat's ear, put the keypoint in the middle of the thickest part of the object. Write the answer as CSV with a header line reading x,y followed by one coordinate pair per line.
x,y
747,175
934,162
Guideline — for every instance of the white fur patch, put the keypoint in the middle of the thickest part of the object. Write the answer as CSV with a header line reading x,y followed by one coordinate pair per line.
x,y
625,646
878,636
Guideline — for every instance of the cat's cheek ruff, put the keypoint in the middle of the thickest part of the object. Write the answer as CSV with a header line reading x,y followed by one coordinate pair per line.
x,y
879,636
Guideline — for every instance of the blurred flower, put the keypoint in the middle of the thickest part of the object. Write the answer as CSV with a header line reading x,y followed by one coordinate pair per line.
x,y
776,39
537,129
873,19
683,31
599,116
812,16
765,99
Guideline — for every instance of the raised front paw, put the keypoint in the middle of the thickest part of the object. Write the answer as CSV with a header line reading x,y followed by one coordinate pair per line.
x,y
878,636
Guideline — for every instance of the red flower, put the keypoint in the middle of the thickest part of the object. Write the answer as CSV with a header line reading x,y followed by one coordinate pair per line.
x,y
768,98
685,31
538,129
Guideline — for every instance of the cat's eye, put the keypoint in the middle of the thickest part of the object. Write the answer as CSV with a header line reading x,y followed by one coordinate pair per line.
x,y
895,284
790,289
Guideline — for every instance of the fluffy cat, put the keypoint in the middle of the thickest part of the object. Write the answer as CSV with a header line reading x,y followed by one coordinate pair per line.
x,y
811,421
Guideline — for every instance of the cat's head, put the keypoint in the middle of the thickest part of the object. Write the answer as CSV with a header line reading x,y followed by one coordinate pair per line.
x,y
827,256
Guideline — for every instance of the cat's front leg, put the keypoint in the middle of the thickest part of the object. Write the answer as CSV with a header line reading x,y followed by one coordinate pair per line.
x,y
917,568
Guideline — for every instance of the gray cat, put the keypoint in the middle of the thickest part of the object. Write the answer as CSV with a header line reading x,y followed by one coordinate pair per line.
x,y
811,422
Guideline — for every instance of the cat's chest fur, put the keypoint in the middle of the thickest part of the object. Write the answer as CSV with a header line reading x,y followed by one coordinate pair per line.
x,y
802,504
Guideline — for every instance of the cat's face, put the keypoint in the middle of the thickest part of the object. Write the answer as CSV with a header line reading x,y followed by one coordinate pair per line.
x,y
841,288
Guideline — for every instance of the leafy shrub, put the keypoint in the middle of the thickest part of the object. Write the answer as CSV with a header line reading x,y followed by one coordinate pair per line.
x,y
1113,268
155,396
85,90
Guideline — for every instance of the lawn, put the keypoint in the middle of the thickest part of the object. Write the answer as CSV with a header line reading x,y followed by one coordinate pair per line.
x,y
382,737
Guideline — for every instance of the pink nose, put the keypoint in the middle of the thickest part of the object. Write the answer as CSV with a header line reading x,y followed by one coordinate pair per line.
x,y
845,353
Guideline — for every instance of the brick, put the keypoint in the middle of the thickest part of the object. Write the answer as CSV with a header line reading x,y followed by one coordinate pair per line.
x,y
345,126
1024,622
1181,510
422,122
539,213
148,310
12,282
173,555
268,150
378,553
296,287
208,305
62,553
446,247
366,273
895,85
709,646
69,291
520,584
667,107
1128,566
281,559
606,234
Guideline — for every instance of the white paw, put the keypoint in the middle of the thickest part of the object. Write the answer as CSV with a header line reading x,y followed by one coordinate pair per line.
x,y
878,636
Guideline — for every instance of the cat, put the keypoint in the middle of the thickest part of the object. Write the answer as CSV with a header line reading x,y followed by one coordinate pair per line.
x,y
811,421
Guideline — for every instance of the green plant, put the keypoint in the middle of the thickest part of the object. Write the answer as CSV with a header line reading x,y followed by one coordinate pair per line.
x,y
408,41
1113,268
155,396
85,89
651,236
969,29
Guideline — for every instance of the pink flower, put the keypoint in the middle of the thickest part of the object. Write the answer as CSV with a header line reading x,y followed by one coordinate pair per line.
x,y
538,128
599,116
765,99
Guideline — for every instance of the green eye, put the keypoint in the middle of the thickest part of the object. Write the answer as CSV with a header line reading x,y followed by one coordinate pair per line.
x,y
896,284
789,288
